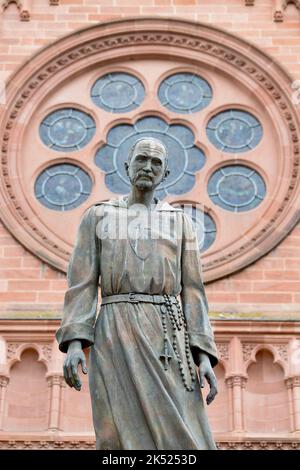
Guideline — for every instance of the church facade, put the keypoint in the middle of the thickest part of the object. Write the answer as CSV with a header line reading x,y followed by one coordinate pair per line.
x,y
219,83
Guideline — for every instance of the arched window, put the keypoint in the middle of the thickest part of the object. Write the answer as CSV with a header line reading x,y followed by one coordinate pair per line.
x,y
27,395
266,398
220,106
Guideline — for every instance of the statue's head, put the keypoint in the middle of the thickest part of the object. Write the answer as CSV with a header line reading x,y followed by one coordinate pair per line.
x,y
147,164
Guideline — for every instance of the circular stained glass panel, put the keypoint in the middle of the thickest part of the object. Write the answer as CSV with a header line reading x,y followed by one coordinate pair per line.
x,y
67,130
184,158
185,93
236,188
63,187
118,92
234,131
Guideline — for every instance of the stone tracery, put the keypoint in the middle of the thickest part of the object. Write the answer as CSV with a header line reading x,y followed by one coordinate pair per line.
x,y
269,90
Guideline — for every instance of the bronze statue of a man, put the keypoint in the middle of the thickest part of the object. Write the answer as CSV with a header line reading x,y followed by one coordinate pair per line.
x,y
153,330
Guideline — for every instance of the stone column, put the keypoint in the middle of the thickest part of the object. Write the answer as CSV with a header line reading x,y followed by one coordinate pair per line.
x,y
235,380
293,386
3,387
56,384
236,385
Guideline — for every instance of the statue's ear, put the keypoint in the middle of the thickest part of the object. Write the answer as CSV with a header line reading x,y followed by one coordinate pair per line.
x,y
167,172
126,165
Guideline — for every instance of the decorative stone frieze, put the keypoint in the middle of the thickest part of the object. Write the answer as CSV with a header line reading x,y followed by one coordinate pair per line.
x,y
24,7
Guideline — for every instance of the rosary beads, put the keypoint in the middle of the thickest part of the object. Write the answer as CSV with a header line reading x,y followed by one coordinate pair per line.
x,y
178,323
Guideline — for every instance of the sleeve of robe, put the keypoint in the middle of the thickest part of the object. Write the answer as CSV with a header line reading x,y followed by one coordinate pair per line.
x,y
194,301
81,298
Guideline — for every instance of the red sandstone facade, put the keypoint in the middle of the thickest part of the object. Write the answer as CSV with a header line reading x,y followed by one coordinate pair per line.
x,y
251,51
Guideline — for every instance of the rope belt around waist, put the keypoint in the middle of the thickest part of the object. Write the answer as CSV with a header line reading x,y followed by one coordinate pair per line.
x,y
135,297
171,311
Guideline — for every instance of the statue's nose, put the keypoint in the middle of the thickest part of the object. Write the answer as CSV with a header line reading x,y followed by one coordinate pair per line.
x,y
147,167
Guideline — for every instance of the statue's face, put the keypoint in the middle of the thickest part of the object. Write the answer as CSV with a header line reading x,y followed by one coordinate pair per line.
x,y
146,168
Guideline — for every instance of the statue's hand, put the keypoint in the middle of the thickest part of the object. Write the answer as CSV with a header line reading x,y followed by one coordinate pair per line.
x,y
206,371
75,356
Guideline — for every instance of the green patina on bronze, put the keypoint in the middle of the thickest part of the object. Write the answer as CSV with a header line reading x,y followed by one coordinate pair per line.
x,y
144,388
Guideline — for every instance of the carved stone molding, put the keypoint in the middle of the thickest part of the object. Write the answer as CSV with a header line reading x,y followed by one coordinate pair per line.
x,y
148,36
223,350
47,351
292,382
11,350
280,7
24,7
56,380
47,444
4,381
236,381
80,444
258,445
43,349
247,349
282,350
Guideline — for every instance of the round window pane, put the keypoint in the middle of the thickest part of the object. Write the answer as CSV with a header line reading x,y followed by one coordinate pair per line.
x,y
118,92
67,130
63,187
236,188
184,158
234,131
185,93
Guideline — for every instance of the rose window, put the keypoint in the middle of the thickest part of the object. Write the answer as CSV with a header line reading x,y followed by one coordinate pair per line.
x,y
221,108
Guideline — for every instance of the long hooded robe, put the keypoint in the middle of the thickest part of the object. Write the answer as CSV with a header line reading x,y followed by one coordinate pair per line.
x,y
136,403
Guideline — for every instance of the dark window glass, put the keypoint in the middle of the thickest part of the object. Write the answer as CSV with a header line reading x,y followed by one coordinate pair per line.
x,y
63,187
67,130
234,131
118,92
236,188
185,93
